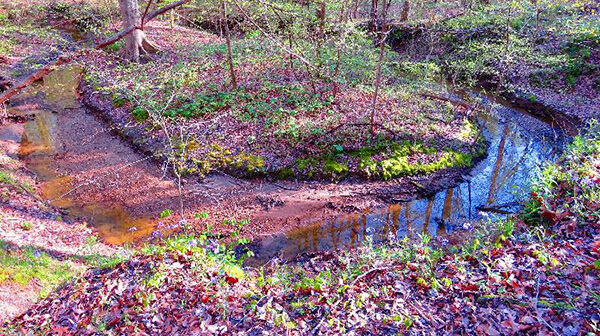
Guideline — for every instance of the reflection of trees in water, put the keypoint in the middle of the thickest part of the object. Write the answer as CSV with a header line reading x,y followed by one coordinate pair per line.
x,y
503,173
509,165
452,201
40,134
497,165
428,209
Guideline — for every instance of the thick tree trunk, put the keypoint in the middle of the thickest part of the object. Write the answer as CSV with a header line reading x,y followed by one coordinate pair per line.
x,y
136,43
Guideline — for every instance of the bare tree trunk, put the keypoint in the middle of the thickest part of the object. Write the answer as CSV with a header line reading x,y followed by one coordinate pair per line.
x,y
228,42
373,25
508,17
383,37
136,42
345,12
321,34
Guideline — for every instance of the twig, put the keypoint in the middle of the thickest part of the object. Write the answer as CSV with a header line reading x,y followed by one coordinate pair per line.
x,y
539,315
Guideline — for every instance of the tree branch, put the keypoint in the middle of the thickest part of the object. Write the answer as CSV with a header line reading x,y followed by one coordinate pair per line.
x,y
145,13
68,58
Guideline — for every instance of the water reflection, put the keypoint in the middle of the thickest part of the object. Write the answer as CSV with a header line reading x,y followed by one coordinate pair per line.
x,y
41,147
518,143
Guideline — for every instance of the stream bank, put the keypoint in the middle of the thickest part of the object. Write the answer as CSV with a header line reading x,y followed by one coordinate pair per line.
x,y
100,177
543,58
87,171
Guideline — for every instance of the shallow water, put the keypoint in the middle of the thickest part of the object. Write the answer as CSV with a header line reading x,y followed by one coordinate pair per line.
x,y
518,143
496,186
41,147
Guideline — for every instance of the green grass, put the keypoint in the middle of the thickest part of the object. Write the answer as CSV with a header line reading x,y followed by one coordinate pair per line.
x,y
6,177
572,178
26,265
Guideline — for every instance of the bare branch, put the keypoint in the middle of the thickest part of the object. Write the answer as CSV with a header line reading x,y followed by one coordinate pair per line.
x,y
69,58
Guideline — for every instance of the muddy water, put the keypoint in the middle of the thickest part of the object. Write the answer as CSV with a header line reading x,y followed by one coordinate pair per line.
x,y
43,144
518,143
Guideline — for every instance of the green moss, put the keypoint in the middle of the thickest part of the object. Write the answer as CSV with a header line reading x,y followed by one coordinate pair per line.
x,y
251,164
334,169
285,173
399,163
140,114
220,158
469,130
308,167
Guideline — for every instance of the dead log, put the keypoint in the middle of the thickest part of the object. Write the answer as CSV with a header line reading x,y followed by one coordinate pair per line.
x,y
48,68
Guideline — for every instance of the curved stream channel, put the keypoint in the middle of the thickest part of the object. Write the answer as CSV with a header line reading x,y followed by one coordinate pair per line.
x,y
495,187
518,143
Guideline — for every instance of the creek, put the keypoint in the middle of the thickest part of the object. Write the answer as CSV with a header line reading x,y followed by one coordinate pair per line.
x,y
495,187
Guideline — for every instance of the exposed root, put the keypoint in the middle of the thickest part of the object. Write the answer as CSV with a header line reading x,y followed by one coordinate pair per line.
x,y
145,46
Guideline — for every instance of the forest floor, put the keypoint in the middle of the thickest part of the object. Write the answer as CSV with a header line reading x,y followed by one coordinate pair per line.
x,y
535,273
547,63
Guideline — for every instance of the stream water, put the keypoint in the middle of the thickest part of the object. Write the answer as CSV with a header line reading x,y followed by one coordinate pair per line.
x,y
496,186
50,104
518,143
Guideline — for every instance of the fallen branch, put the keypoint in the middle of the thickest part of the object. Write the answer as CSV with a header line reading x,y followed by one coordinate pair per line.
x,y
498,208
36,76
68,58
